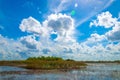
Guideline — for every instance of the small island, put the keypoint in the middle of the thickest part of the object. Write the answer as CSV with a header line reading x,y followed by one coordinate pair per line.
x,y
45,63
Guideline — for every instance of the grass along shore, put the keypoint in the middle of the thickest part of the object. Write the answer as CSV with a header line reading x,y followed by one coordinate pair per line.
x,y
45,63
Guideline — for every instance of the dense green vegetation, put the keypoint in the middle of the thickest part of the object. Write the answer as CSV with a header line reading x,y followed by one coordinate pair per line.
x,y
45,63
48,58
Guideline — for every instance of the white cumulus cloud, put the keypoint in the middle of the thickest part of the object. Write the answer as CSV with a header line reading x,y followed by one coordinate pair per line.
x,y
104,19
114,34
10,49
30,25
29,41
63,25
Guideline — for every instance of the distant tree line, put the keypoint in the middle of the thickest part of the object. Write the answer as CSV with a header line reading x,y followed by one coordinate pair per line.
x,y
48,58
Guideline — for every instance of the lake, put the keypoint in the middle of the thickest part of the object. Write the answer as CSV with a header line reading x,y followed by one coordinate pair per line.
x,y
94,71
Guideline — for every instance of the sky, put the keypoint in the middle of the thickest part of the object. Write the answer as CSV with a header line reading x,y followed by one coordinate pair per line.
x,y
83,30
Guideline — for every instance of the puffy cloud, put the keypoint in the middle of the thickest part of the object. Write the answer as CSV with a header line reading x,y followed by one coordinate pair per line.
x,y
34,27
10,49
104,19
96,38
114,34
60,21
63,25
60,24
82,51
30,25
29,42
77,51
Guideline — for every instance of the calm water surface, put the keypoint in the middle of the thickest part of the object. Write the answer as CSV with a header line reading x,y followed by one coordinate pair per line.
x,y
94,71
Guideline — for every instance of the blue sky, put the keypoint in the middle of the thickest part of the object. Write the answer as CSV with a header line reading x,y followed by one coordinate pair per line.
x,y
76,29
